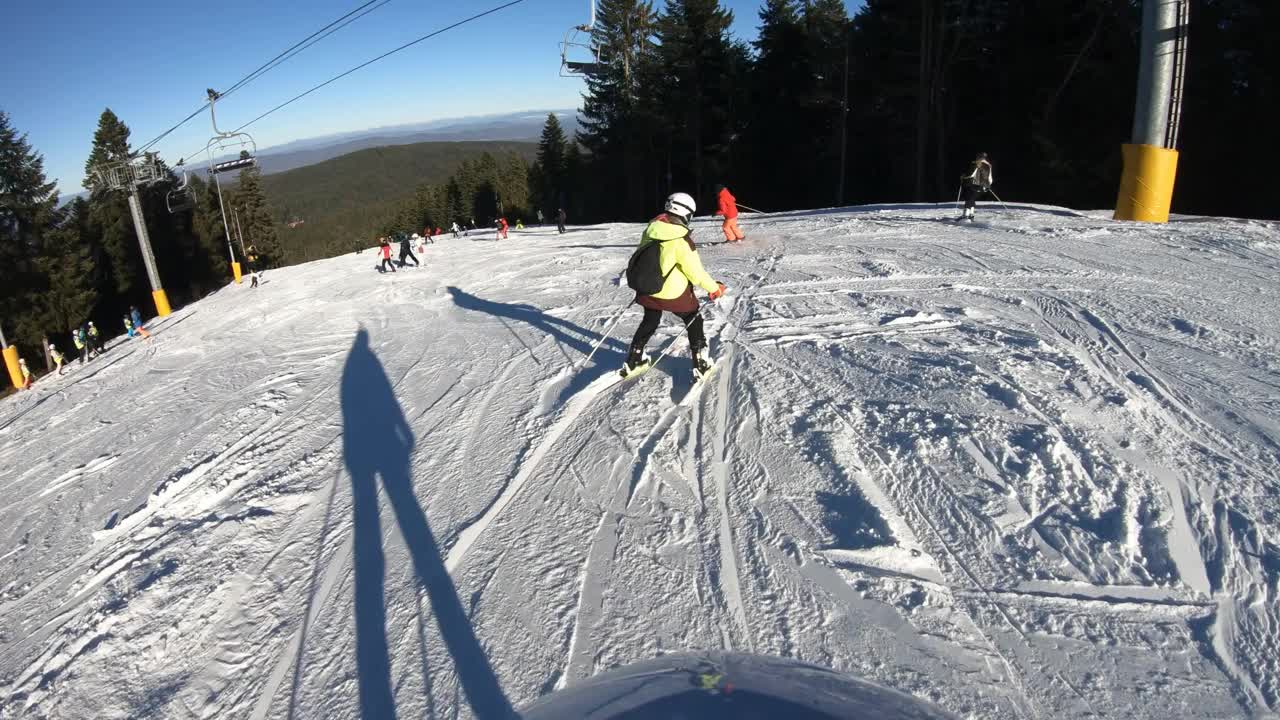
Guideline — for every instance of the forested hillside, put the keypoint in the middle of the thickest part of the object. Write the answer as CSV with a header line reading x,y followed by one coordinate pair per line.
x,y
350,197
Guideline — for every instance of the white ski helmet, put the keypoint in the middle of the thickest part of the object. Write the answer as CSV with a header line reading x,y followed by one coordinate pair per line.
x,y
681,204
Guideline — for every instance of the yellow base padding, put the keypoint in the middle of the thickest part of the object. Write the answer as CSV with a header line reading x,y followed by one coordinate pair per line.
x,y
11,362
1146,188
235,270
162,302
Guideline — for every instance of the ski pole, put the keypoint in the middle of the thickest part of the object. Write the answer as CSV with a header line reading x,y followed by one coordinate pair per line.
x,y
608,333
959,191
997,197
749,208
696,315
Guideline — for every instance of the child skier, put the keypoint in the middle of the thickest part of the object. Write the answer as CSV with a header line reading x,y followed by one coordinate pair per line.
x,y
136,317
133,329
728,207
385,248
95,339
502,228
81,342
679,268
26,374
58,358
979,180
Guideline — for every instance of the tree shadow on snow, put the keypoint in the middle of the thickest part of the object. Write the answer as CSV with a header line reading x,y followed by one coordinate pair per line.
x,y
377,443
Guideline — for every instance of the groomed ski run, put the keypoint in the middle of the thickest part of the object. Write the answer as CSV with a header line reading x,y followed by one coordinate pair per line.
x,y
1025,467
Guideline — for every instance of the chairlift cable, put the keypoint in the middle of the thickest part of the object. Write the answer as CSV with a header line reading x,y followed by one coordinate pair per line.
x,y
273,63
309,41
380,57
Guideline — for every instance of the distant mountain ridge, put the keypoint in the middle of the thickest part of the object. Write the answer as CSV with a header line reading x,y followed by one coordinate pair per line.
x,y
525,125
520,126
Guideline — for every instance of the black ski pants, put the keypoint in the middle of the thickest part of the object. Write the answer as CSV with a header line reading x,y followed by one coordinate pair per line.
x,y
408,254
649,325
971,193
386,264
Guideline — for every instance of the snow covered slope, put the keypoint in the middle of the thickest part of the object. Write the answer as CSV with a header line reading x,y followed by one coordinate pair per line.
x,y
1023,468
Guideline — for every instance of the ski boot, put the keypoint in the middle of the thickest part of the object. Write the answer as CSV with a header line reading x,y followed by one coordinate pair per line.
x,y
636,364
702,364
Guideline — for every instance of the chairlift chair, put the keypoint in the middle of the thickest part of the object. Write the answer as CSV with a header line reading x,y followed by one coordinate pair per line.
x,y
181,198
578,42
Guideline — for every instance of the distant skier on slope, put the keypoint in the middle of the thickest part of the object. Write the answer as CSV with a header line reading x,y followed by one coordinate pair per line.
x,y
96,343
560,220
728,208
26,374
979,180
406,251
132,329
57,357
136,316
384,247
502,225
79,339
663,271
455,229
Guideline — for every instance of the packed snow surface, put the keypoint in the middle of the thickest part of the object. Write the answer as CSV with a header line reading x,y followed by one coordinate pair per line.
x,y
1027,467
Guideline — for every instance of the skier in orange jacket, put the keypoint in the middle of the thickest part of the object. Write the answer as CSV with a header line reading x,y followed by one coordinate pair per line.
x,y
729,209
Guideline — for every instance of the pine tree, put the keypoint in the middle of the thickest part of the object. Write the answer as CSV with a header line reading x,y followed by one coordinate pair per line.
x,y
125,276
702,68
28,216
780,79
68,298
255,222
548,181
616,129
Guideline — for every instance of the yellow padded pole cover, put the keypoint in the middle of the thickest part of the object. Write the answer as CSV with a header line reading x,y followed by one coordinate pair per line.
x,y
162,302
1146,187
235,270
11,362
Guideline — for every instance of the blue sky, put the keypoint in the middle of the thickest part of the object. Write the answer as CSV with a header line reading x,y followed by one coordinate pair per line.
x,y
150,62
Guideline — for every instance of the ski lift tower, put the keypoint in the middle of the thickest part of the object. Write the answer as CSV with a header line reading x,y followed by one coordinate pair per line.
x,y
131,174
579,42
241,143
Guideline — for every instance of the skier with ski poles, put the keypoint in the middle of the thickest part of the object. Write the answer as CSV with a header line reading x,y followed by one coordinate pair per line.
x,y
979,180
663,271
728,208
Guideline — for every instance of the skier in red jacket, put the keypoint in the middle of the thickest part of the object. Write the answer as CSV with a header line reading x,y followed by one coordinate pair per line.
x,y
729,209
385,248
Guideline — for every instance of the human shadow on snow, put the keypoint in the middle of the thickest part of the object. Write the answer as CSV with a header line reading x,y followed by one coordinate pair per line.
x,y
377,443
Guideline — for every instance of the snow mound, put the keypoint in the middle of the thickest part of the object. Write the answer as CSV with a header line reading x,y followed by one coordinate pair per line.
x,y
1026,467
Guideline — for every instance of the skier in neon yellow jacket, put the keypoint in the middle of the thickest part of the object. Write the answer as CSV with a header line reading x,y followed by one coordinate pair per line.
x,y
680,269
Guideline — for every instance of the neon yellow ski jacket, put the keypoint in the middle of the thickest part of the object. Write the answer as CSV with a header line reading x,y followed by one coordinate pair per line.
x,y
677,258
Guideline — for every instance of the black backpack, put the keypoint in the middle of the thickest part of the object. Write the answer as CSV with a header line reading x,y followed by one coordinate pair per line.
x,y
644,270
